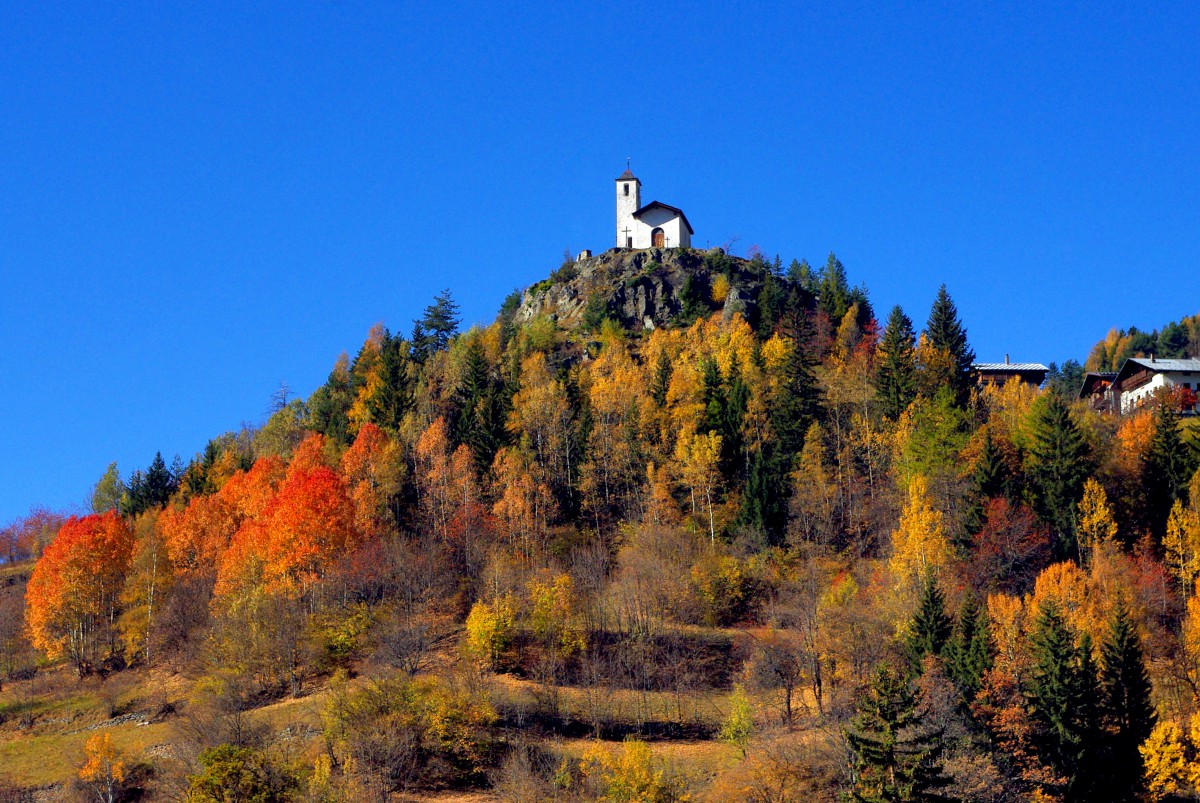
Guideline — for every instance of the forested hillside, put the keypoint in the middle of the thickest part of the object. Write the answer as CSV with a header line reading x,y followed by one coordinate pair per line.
x,y
1174,340
683,526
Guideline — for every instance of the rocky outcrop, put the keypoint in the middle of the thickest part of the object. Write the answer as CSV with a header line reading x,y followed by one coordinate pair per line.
x,y
643,289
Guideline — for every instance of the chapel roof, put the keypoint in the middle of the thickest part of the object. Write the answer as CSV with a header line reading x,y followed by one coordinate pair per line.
x,y
669,208
627,176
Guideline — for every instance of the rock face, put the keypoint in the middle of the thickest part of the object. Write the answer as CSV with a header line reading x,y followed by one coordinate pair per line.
x,y
643,289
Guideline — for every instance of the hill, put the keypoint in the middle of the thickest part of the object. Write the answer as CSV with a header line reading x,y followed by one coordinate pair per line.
x,y
676,525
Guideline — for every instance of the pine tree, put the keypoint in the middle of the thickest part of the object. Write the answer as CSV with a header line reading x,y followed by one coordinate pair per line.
x,y
797,402
989,479
944,331
662,379
1127,711
969,652
834,295
765,500
329,406
931,626
896,758
159,483
1059,464
1167,469
479,421
896,380
771,299
393,397
1063,693
1089,778
433,331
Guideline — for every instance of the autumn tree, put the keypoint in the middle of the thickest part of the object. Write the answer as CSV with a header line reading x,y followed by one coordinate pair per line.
x,y
104,771
1096,523
107,493
1181,546
920,547
74,592
699,459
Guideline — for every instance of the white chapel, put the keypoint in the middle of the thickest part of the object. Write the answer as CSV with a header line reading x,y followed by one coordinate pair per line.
x,y
654,225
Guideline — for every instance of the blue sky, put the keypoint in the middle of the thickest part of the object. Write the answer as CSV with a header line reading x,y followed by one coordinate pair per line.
x,y
198,202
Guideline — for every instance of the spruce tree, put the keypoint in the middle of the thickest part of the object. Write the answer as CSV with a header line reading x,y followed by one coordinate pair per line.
x,y
969,652
1167,469
662,379
944,331
1060,462
797,403
896,758
1088,781
834,295
931,626
1063,694
896,380
989,479
1127,711
433,331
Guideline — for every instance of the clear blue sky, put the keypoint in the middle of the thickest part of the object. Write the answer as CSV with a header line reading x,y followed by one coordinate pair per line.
x,y
198,202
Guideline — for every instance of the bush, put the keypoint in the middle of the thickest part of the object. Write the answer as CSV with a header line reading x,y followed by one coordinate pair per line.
x,y
401,734
240,773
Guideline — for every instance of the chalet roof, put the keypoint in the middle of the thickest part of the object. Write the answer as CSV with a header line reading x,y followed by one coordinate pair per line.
x,y
669,208
1010,367
1093,378
1157,366
628,176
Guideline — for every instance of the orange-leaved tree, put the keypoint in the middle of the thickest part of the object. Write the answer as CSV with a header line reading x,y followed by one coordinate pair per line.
x,y
73,594
304,530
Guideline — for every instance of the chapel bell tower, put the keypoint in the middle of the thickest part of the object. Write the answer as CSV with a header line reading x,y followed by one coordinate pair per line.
x,y
629,200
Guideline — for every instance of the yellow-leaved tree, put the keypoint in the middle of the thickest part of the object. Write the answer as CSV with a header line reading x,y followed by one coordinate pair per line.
x,y
1181,544
103,771
919,544
698,456
1096,523
1165,766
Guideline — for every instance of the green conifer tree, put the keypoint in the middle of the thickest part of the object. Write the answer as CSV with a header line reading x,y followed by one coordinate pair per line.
x,y
834,295
1127,710
662,379
1168,467
1063,694
433,331
969,652
896,380
931,626
798,401
945,331
896,758
989,479
1059,463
